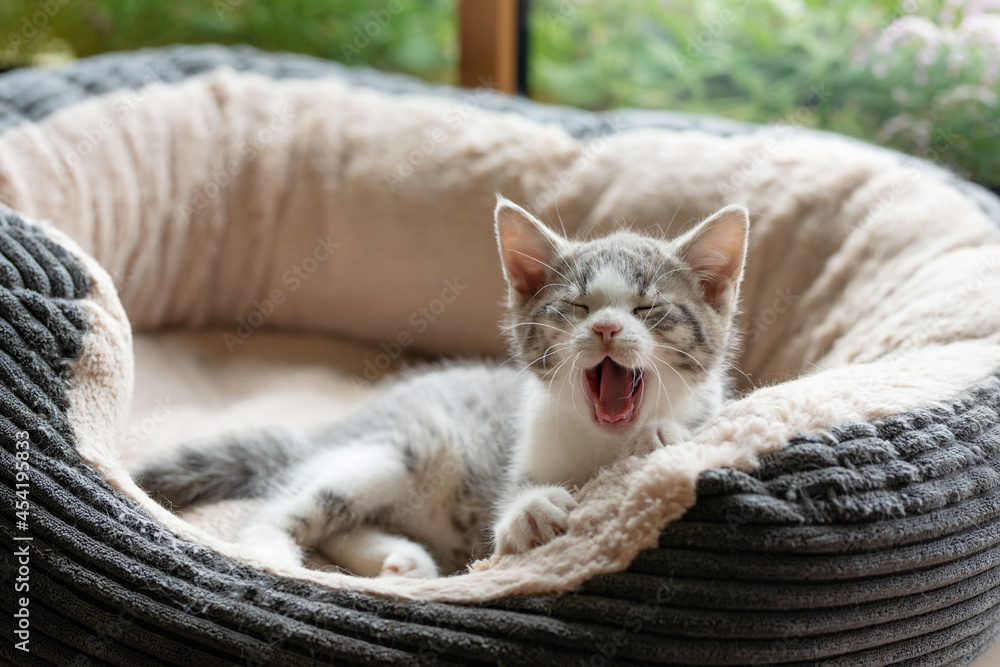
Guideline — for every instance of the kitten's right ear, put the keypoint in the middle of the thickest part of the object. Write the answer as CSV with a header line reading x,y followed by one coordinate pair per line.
x,y
527,249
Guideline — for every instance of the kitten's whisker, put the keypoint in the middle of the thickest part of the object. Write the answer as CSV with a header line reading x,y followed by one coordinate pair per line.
x,y
686,354
659,378
676,211
705,370
572,395
667,273
646,316
559,395
559,217
656,271
677,373
555,374
523,369
665,316
738,370
546,265
563,385
506,361
555,371
554,347
544,354
537,324
563,315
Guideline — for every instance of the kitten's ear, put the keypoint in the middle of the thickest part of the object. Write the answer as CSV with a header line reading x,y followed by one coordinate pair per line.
x,y
716,249
527,249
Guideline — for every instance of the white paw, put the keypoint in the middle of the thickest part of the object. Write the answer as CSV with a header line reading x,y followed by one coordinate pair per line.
x,y
534,518
411,563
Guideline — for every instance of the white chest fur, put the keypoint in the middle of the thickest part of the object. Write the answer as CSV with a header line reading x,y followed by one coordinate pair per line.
x,y
560,443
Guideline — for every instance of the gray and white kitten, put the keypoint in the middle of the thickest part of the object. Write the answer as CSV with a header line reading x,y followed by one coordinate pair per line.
x,y
609,336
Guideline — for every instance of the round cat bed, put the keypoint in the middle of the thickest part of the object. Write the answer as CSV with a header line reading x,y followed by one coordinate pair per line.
x,y
845,510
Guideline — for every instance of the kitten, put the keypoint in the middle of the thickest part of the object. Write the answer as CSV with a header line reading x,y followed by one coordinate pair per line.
x,y
610,336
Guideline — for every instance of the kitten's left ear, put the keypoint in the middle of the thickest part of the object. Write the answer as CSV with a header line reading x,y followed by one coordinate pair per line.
x,y
716,250
527,249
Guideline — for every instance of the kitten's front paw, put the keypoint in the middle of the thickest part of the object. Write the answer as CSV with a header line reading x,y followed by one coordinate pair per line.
x,y
533,519
410,563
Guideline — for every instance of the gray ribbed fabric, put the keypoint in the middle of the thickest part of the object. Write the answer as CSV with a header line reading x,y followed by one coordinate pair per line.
x,y
881,548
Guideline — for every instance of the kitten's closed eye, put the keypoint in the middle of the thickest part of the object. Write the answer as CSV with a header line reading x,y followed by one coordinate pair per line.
x,y
652,310
580,306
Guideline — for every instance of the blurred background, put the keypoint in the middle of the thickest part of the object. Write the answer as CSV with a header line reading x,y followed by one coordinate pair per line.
x,y
918,75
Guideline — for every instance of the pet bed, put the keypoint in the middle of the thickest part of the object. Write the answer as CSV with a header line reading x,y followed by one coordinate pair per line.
x,y
846,511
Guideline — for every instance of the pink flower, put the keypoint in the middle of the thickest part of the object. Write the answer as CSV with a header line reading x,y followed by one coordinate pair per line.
x,y
982,30
908,28
968,32
978,7
926,57
956,59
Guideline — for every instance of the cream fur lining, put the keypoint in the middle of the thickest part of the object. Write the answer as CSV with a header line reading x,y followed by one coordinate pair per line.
x,y
871,288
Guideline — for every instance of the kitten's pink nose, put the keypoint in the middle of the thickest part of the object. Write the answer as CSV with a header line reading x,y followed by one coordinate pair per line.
x,y
607,330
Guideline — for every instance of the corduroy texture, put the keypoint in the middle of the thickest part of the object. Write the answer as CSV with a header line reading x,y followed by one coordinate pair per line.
x,y
824,550
878,549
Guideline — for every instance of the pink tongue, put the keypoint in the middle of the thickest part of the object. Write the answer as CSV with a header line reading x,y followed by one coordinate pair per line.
x,y
614,399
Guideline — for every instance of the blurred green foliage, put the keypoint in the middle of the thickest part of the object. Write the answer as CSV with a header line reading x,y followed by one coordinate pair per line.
x,y
398,35
918,76
811,62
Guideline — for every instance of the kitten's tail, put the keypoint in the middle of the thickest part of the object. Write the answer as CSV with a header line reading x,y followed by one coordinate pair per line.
x,y
234,466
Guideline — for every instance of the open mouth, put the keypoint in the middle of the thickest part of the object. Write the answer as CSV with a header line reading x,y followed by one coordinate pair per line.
x,y
614,392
